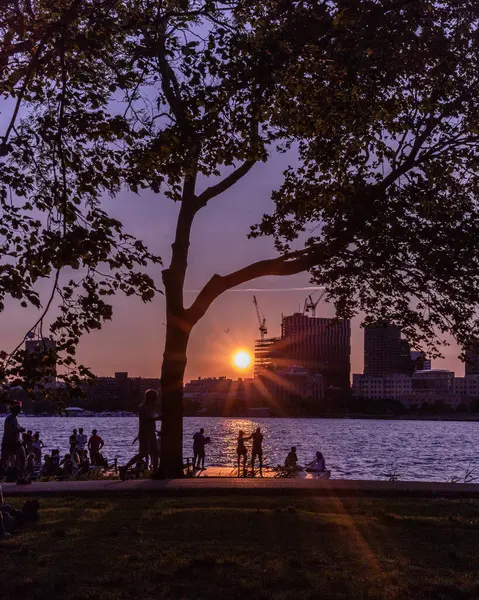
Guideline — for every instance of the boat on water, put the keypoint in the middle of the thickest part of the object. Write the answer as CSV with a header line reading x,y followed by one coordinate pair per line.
x,y
74,411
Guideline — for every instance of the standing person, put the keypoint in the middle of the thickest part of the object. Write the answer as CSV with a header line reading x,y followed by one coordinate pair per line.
x,y
199,442
73,442
37,448
257,450
30,468
27,439
241,451
12,446
95,444
146,433
82,441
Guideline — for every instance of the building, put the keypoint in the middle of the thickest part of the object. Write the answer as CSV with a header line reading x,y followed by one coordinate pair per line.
x,y
471,359
119,392
419,361
388,387
220,394
467,387
385,352
433,382
291,391
432,387
320,345
296,382
267,355
40,361
427,386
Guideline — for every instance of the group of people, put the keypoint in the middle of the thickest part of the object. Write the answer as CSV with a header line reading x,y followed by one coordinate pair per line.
x,y
21,452
83,453
317,465
84,449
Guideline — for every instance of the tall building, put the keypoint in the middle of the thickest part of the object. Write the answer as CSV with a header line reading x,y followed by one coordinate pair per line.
x,y
267,355
385,352
321,345
471,356
44,371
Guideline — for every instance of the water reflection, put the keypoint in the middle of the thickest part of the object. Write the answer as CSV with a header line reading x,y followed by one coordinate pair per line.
x,y
354,449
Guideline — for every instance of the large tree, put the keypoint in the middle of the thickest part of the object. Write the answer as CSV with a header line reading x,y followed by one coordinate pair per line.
x,y
376,100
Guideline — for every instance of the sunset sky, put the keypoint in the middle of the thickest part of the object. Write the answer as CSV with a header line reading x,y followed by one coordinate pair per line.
x,y
133,341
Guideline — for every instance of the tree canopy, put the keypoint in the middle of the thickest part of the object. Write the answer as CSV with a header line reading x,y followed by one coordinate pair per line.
x,y
376,100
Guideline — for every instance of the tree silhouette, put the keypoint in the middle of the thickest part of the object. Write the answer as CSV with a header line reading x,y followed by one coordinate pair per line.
x,y
377,101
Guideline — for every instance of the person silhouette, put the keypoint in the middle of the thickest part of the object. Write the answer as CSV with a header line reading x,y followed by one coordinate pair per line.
x,y
146,434
257,450
241,451
199,442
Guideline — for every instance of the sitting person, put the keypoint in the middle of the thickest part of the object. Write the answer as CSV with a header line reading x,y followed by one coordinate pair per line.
x,y
85,461
291,462
318,465
101,461
11,473
11,519
55,460
47,469
68,465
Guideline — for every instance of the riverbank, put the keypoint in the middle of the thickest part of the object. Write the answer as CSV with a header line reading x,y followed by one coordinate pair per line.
x,y
117,547
244,487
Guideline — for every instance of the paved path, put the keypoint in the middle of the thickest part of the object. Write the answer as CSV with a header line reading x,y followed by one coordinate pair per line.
x,y
247,487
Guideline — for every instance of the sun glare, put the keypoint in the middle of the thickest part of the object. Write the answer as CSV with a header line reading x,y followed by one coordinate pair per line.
x,y
242,359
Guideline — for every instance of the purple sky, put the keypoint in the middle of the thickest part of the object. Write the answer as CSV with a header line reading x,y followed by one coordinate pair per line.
x,y
133,341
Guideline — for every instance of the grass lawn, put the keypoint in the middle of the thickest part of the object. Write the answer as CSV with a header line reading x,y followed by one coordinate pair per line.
x,y
255,548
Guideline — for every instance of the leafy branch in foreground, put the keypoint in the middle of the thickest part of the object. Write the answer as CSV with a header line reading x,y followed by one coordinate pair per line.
x,y
54,169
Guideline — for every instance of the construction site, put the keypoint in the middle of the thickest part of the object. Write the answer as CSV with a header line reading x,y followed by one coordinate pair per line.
x,y
309,363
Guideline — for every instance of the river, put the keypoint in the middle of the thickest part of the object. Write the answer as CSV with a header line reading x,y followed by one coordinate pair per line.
x,y
353,448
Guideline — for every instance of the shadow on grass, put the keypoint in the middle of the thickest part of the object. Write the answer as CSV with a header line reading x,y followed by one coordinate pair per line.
x,y
229,548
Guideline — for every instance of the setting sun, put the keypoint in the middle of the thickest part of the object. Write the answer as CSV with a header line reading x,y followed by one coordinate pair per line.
x,y
242,359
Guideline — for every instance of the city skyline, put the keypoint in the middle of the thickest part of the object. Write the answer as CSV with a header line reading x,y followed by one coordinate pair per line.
x,y
217,360
210,347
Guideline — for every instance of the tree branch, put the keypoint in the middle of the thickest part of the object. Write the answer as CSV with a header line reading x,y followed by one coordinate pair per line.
x,y
169,82
231,179
288,264
225,184
70,14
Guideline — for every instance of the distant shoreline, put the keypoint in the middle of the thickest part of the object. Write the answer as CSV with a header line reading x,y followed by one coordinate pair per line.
x,y
120,414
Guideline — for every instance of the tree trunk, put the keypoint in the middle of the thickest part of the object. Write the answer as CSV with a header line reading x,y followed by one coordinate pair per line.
x,y
172,374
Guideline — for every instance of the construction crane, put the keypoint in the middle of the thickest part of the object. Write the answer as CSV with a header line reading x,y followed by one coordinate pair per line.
x,y
310,305
261,320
